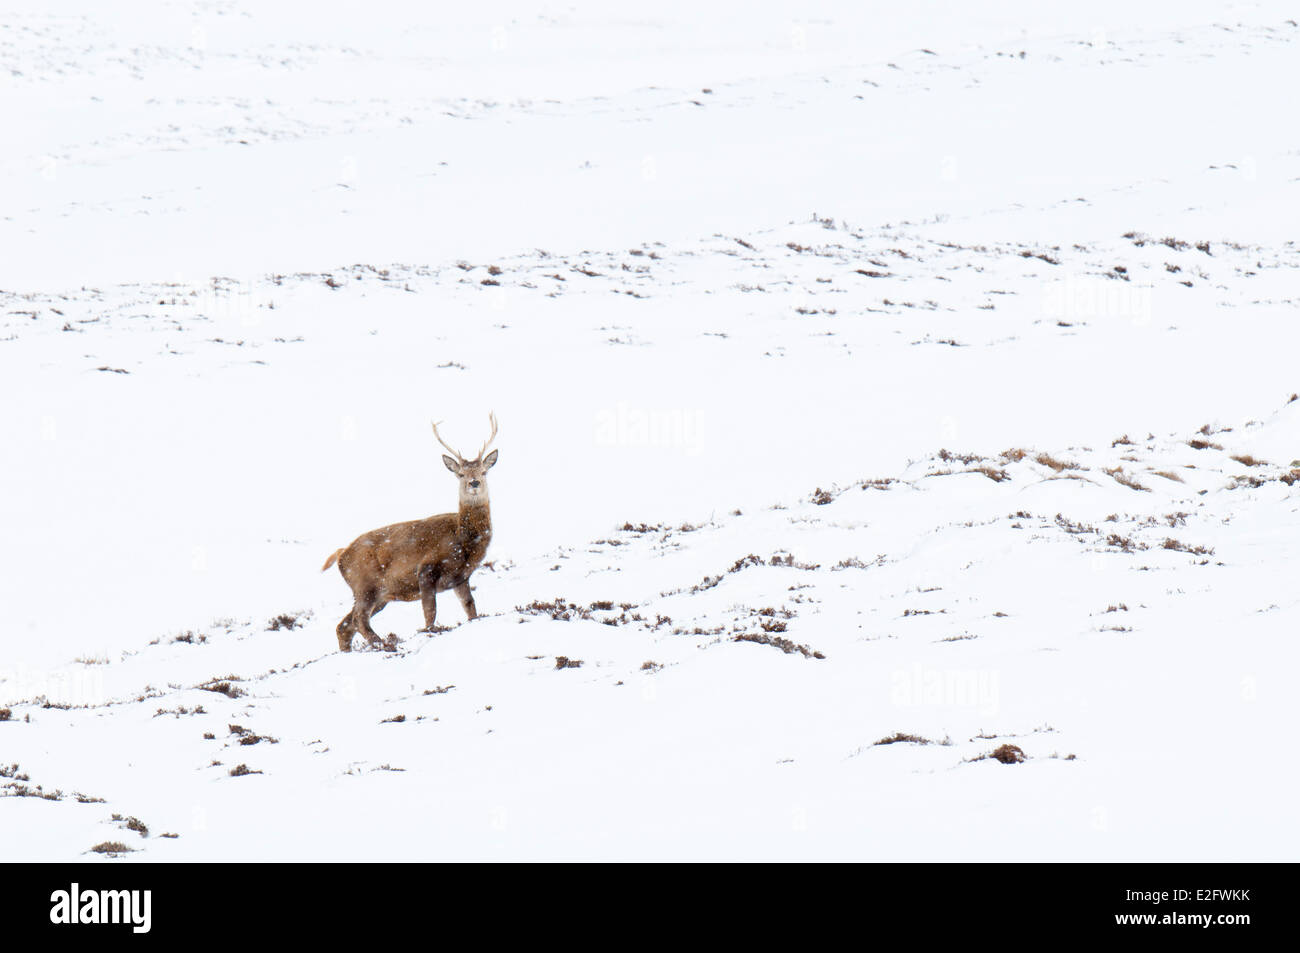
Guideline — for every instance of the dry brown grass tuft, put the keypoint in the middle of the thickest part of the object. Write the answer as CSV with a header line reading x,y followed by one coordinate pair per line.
x,y
1008,754
112,848
1048,460
1124,542
1169,475
1073,528
1197,444
223,687
1125,479
1247,460
785,645
899,736
993,473
287,620
1184,548
559,609
853,562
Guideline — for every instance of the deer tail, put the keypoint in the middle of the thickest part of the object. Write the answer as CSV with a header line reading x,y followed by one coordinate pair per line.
x,y
333,558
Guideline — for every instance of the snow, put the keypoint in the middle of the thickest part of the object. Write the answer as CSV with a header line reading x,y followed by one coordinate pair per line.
x,y
764,298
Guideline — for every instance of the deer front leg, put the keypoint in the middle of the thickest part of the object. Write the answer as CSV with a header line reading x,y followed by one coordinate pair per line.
x,y
467,599
429,595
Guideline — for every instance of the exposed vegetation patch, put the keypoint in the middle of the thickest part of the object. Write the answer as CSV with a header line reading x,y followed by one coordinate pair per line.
x,y
558,609
15,785
1184,548
112,848
1125,479
239,770
853,562
133,824
643,528
785,645
1047,460
563,661
745,562
788,560
247,737
899,737
948,456
1125,543
877,484
1073,528
1007,754
288,620
180,710
223,686
561,610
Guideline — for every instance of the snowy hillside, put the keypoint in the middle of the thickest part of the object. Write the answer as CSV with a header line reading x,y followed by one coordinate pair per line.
x,y
898,431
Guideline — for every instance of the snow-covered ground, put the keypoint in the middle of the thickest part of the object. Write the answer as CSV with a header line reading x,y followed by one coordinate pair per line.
x,y
864,370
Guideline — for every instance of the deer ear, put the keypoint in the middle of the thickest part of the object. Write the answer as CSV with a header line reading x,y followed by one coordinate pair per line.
x,y
491,460
452,465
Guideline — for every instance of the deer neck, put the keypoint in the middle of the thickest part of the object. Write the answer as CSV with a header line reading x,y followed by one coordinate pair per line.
x,y
475,520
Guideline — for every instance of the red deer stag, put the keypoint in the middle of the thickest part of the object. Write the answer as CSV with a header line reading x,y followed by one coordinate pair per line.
x,y
420,558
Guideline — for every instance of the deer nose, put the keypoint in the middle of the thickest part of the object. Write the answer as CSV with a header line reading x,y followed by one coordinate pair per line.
x,y
474,484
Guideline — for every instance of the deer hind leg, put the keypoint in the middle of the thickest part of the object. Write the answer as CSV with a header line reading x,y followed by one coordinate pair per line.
x,y
345,632
367,605
429,595
467,599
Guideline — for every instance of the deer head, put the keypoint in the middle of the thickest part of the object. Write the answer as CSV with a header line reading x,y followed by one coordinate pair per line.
x,y
471,473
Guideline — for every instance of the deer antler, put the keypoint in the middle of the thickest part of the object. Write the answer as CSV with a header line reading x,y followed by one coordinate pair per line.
x,y
492,417
447,445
